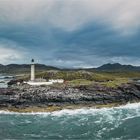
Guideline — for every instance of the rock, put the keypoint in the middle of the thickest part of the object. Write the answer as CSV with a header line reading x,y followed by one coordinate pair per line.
x,y
23,96
14,82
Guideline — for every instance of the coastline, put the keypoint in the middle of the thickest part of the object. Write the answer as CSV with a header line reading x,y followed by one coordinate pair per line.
x,y
48,99
46,109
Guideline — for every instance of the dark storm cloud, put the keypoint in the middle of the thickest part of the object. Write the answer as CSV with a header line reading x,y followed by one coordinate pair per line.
x,y
70,33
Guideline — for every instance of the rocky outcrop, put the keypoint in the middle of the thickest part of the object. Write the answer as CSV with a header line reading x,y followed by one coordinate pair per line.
x,y
24,96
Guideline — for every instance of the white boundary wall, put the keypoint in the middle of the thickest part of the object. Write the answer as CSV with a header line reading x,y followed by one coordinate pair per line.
x,y
56,80
50,82
39,83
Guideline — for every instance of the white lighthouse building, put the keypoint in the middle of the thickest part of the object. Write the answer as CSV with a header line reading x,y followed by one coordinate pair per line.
x,y
32,70
38,82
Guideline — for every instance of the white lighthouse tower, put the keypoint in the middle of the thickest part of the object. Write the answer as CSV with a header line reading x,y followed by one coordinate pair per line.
x,y
39,82
32,70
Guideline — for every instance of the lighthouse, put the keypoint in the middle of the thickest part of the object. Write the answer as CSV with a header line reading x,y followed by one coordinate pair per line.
x,y
32,70
40,81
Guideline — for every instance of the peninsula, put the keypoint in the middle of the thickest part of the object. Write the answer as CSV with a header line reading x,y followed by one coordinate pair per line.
x,y
78,88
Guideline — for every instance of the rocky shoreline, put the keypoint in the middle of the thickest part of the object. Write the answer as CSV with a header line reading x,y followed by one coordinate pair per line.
x,y
28,98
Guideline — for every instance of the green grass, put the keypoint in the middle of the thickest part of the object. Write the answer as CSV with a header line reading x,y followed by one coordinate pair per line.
x,y
115,83
74,75
126,74
77,78
79,82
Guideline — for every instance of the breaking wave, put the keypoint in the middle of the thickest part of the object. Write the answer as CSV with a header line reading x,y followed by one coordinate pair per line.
x,y
129,106
117,123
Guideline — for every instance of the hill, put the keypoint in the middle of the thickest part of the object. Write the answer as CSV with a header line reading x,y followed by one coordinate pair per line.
x,y
23,68
118,67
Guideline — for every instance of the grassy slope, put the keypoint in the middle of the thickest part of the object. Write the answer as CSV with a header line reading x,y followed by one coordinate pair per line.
x,y
77,78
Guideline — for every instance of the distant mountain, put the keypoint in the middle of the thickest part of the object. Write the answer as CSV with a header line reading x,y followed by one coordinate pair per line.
x,y
118,67
23,68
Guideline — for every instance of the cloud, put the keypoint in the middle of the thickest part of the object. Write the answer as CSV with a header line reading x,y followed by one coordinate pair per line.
x,y
70,33
11,53
72,14
91,61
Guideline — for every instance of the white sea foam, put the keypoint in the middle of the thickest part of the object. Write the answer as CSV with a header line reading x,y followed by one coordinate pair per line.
x,y
130,106
6,112
134,107
107,120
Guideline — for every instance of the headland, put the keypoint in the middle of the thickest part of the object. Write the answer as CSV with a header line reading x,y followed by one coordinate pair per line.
x,y
81,88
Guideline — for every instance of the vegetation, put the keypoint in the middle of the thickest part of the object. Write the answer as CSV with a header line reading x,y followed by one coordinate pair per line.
x,y
78,78
24,68
115,76
115,83
122,74
74,75
79,82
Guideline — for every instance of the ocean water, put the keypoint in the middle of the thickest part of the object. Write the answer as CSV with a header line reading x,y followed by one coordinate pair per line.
x,y
119,123
4,79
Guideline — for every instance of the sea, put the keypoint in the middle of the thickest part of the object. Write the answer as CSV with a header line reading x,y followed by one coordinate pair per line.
x,y
4,79
118,123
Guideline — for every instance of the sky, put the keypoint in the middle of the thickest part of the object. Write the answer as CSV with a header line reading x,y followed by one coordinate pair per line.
x,y
70,33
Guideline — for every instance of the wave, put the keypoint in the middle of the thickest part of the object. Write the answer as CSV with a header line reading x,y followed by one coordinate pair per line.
x,y
129,106
106,123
